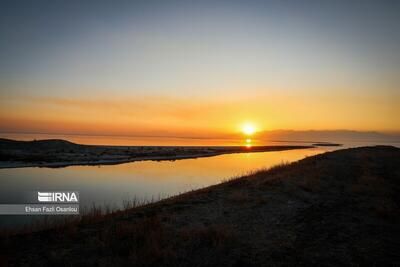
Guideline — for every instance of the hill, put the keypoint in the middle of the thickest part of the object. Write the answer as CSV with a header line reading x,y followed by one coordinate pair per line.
x,y
335,209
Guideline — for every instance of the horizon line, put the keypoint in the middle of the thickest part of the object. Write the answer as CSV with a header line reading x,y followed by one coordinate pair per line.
x,y
227,137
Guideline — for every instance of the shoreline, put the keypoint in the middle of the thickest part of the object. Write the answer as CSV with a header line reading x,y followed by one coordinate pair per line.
x,y
94,161
341,204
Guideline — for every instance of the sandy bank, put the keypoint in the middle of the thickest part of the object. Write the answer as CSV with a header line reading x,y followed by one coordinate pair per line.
x,y
60,153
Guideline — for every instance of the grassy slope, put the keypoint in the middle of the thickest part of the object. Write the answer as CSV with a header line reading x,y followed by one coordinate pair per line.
x,y
339,208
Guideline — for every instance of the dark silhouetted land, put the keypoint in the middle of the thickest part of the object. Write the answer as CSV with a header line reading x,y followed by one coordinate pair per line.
x,y
335,209
326,144
60,153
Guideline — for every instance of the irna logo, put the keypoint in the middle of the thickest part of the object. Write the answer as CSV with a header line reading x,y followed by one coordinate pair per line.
x,y
58,196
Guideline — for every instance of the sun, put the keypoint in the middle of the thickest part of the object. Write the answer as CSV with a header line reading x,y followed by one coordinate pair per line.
x,y
248,129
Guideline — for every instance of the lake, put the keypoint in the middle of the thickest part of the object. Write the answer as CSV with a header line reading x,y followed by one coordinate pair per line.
x,y
110,185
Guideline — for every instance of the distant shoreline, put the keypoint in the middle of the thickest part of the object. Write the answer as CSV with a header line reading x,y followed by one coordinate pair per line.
x,y
20,164
56,153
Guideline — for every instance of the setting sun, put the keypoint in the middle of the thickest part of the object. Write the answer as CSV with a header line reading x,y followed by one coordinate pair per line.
x,y
198,124
248,129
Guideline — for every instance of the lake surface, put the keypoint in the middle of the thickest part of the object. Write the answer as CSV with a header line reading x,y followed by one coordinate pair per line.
x,y
110,185
144,180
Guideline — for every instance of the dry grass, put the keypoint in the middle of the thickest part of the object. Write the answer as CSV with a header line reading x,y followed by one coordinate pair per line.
x,y
238,196
88,215
144,242
305,213
96,213
385,208
213,236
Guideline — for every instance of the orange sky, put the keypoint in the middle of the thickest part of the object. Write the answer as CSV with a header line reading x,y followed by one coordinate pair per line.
x,y
199,70
218,117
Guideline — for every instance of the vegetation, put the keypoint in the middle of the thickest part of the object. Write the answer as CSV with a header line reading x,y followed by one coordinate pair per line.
x,y
338,208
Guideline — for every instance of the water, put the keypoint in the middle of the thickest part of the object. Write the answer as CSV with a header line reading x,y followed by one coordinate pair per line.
x,y
109,185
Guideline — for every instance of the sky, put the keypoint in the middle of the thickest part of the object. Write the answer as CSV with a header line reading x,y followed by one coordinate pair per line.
x,y
198,68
